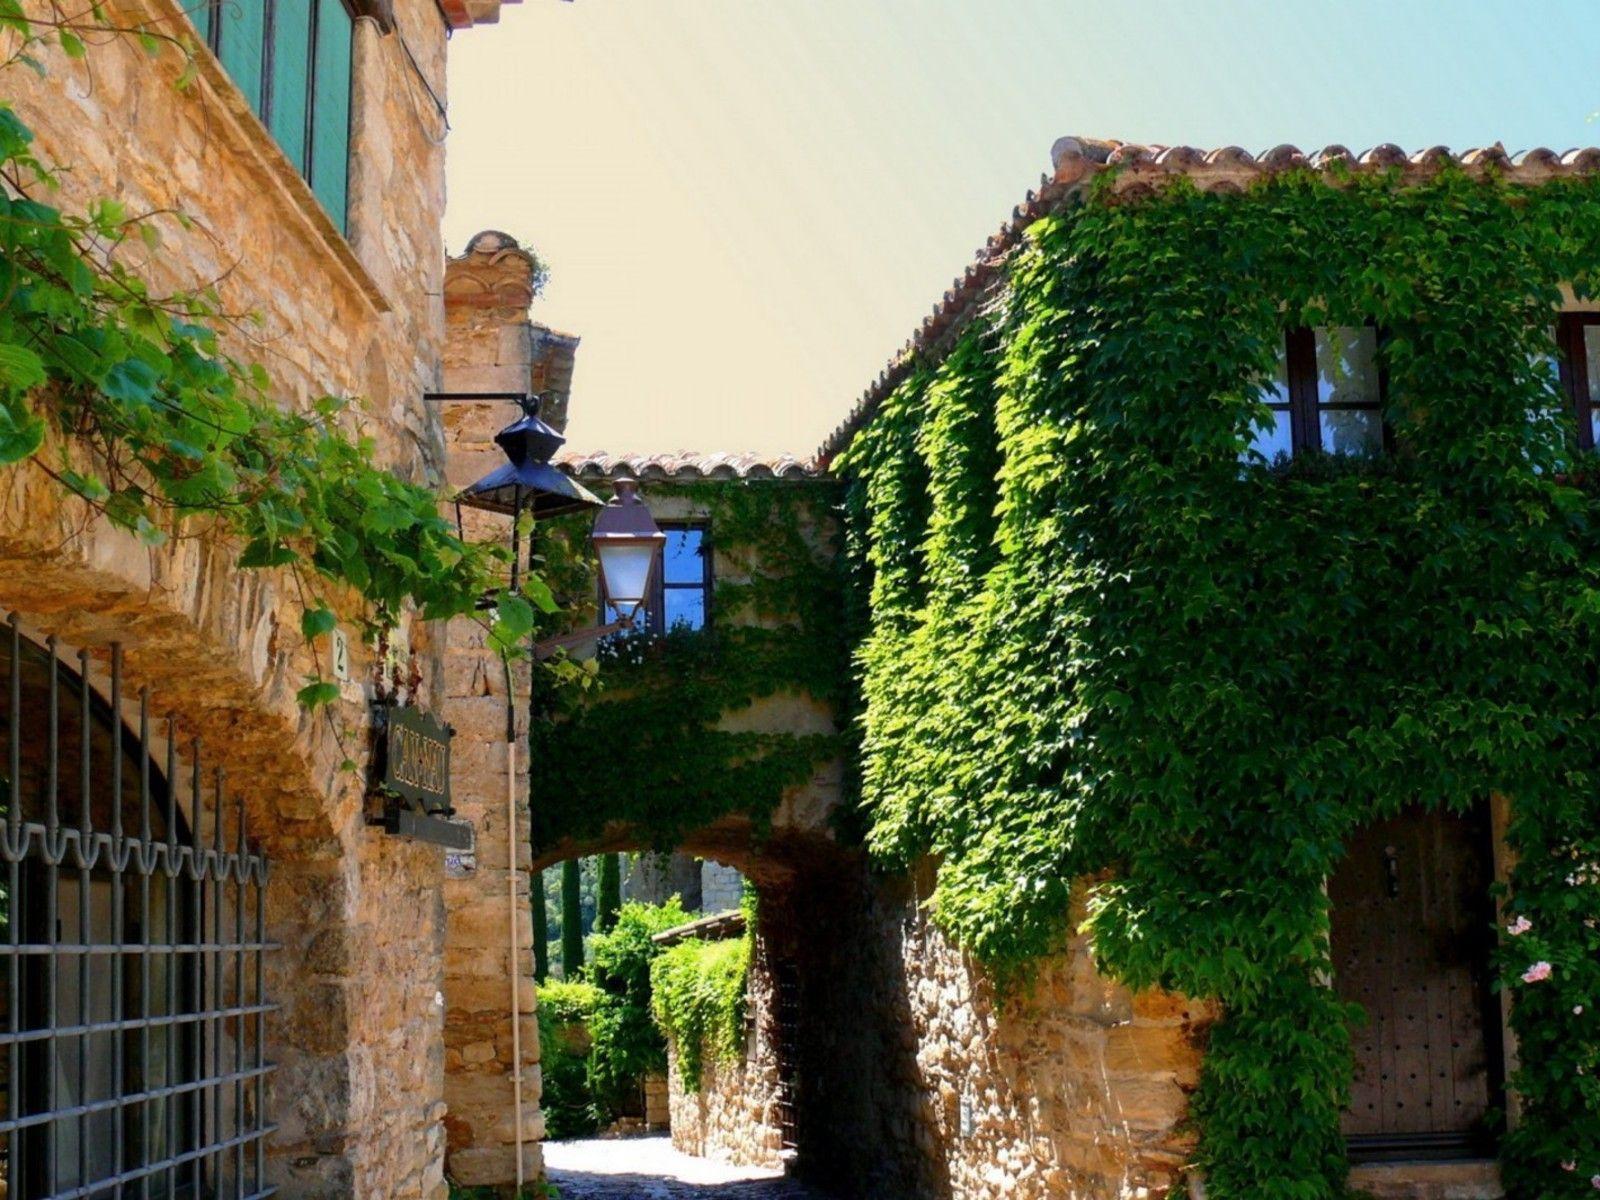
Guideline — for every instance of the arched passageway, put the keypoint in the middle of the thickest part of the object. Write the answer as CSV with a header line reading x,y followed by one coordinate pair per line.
x,y
784,1103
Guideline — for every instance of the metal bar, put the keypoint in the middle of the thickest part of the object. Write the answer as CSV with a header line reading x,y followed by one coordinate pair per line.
x,y
142,1173
434,397
119,1118
214,963
146,864
51,917
197,1035
188,1087
238,1001
68,950
261,1033
86,824
14,1163
176,1021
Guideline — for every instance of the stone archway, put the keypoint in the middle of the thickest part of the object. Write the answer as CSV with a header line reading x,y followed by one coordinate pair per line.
x,y
756,1112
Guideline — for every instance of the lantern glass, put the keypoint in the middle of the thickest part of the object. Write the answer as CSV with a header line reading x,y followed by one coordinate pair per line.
x,y
625,565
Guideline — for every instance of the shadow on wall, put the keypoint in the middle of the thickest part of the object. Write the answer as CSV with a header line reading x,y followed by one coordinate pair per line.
x,y
868,1124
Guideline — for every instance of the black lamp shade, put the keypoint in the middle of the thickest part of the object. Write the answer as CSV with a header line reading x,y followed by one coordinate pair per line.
x,y
528,479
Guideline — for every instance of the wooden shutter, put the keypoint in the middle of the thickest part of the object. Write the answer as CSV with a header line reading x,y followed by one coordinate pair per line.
x,y
200,14
330,108
241,43
290,113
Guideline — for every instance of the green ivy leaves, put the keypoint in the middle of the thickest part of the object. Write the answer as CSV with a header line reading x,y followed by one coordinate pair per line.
x,y
1096,645
156,426
777,628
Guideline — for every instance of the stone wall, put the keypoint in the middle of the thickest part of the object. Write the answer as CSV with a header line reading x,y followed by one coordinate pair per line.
x,y
721,887
358,1091
917,1082
492,347
733,1116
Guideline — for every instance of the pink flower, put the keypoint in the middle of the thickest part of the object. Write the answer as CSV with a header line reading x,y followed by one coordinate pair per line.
x,y
1538,973
1569,1165
1595,1180
1519,927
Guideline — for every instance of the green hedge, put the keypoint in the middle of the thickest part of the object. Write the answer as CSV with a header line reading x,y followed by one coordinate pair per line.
x,y
627,1044
565,1010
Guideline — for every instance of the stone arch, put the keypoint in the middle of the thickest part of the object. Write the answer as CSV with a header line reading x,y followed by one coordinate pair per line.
x,y
219,649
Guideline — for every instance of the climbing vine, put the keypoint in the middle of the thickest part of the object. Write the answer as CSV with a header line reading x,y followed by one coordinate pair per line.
x,y
650,743
1103,642
128,398
698,996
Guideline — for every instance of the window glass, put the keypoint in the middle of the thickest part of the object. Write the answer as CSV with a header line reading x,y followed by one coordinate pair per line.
x,y
1591,348
1347,366
1275,439
681,556
1351,430
685,608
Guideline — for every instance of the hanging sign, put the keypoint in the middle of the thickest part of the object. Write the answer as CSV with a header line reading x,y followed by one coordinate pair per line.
x,y
411,774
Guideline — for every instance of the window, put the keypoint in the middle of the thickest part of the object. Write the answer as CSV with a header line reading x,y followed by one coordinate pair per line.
x,y
1327,395
291,59
132,1018
680,594
1578,341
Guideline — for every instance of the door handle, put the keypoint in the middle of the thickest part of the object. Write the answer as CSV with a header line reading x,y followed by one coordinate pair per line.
x,y
1391,871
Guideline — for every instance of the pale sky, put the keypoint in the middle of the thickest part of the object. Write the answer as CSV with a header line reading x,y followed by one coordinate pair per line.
x,y
748,205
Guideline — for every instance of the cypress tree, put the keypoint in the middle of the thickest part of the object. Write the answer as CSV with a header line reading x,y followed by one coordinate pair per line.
x,y
609,892
541,931
571,919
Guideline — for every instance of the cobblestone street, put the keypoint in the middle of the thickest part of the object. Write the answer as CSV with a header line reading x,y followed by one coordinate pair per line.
x,y
649,1168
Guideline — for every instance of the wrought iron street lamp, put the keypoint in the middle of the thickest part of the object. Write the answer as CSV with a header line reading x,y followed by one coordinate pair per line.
x,y
627,544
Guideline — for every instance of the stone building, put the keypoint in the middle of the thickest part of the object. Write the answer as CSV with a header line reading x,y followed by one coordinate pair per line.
x,y
315,191
911,1073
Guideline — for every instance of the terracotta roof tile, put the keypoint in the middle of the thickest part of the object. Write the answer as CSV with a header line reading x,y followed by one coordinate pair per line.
x,y
683,467
1077,160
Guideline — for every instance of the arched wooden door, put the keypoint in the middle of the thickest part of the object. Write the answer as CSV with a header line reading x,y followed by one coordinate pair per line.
x,y
1412,924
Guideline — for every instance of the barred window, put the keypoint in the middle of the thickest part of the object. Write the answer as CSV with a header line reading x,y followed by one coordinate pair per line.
x,y
131,941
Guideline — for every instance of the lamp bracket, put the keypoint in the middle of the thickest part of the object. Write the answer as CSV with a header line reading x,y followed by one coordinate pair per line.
x,y
529,402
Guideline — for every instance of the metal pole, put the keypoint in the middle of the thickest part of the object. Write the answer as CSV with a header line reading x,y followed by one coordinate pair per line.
x,y
511,857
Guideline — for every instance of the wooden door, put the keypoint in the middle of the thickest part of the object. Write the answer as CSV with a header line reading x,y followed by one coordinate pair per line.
x,y
1412,923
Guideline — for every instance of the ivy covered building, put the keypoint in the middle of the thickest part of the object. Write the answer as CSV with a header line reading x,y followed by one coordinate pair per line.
x,y
1221,808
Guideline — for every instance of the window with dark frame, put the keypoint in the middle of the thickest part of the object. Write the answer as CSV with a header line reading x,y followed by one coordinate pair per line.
x,y
1327,395
292,60
680,594
1578,356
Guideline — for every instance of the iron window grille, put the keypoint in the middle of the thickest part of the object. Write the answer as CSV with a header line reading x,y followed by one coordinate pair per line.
x,y
132,951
